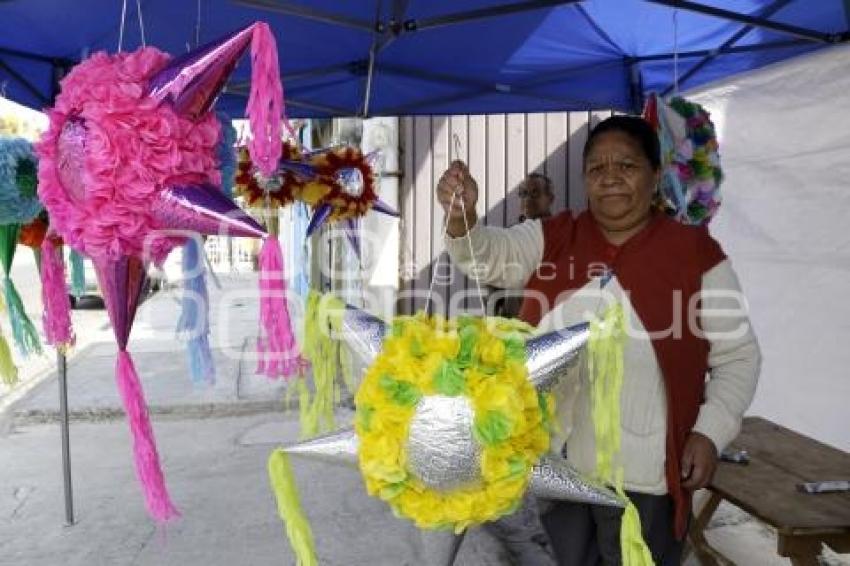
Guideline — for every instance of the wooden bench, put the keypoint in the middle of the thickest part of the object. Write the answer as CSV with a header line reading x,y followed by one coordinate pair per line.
x,y
766,489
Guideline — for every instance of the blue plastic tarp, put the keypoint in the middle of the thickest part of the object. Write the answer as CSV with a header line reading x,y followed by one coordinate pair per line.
x,y
441,57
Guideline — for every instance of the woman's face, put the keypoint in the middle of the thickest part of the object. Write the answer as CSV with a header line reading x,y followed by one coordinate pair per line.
x,y
620,181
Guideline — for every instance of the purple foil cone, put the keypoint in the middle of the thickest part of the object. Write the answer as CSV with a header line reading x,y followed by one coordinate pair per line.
x,y
204,209
193,81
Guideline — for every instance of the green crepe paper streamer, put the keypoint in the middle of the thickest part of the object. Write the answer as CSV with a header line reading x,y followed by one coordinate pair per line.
x,y
8,244
449,379
545,417
416,348
364,417
8,371
78,275
468,339
290,511
400,392
515,349
23,330
492,428
517,466
392,490
397,328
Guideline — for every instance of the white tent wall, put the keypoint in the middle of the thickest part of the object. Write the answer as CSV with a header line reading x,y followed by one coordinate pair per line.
x,y
785,148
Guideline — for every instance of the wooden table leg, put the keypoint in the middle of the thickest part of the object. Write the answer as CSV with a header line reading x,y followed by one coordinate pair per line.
x,y
706,555
802,550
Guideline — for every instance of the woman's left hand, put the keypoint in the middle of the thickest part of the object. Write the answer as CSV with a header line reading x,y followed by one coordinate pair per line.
x,y
699,460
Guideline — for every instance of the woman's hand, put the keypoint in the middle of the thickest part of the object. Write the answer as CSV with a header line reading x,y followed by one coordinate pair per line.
x,y
699,461
456,186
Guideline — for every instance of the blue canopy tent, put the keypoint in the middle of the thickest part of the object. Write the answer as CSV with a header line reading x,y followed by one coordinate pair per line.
x,y
401,57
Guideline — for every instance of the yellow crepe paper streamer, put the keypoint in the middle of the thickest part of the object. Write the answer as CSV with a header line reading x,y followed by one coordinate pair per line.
x,y
327,358
8,370
605,364
290,511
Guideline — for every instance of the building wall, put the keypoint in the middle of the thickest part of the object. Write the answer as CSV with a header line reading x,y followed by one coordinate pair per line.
x,y
500,150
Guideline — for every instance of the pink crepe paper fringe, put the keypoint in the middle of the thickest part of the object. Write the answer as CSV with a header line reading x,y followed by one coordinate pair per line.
x,y
148,469
276,348
265,104
54,294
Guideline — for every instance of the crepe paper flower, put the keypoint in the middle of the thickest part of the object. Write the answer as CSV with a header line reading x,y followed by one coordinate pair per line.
x,y
19,205
691,176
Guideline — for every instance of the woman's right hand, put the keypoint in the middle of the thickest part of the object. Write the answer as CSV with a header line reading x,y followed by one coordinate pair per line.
x,y
457,185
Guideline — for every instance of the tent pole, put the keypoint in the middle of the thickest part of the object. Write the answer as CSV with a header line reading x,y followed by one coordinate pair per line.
x,y
61,362
635,88
373,53
766,13
731,51
301,11
810,34
482,13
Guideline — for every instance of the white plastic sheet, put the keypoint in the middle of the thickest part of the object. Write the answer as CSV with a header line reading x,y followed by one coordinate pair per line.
x,y
785,146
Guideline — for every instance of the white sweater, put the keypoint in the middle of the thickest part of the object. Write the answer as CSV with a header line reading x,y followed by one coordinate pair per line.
x,y
508,257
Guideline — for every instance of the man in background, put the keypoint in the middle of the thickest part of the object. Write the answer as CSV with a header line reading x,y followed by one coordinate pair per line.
x,y
536,196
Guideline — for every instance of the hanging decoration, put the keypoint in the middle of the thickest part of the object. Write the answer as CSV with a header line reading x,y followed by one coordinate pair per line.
x,y
337,183
452,417
226,153
427,367
58,330
278,190
689,190
194,323
129,161
19,205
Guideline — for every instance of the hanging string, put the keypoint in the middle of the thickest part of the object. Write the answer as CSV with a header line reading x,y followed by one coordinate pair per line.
x,y
141,22
472,257
440,257
198,26
121,28
676,52
474,272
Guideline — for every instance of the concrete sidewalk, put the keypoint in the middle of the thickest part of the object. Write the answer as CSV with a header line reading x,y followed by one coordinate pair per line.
x,y
214,443
162,364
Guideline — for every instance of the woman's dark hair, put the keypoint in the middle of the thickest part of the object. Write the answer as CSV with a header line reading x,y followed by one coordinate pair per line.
x,y
636,128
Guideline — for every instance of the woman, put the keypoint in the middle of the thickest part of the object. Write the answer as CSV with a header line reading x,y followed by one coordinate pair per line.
x,y
672,281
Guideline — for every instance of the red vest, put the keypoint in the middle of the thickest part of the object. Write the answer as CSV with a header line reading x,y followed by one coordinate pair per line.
x,y
664,258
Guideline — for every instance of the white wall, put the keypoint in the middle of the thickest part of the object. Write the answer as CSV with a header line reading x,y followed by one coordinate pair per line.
x,y
785,147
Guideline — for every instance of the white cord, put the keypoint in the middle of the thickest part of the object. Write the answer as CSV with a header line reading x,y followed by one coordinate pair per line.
x,y
141,22
472,257
121,27
439,257
198,26
676,52
474,272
